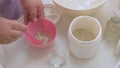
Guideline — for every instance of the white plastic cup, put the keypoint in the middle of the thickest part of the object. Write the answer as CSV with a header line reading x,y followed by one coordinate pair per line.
x,y
80,48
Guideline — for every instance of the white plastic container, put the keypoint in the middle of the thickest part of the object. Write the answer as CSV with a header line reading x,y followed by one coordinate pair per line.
x,y
85,47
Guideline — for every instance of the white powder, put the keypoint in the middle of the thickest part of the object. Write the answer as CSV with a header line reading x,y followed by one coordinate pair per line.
x,y
83,34
42,36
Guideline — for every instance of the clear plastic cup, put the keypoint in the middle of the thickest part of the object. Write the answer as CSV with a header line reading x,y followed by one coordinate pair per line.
x,y
56,59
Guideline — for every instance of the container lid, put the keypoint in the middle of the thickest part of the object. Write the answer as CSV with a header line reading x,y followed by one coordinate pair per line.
x,y
51,13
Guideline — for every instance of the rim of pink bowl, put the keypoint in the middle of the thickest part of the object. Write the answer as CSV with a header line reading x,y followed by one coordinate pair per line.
x,y
36,42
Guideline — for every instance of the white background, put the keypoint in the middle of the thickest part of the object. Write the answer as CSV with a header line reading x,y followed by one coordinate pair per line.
x,y
20,54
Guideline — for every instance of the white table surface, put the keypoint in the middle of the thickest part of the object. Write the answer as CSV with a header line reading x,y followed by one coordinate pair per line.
x,y
20,54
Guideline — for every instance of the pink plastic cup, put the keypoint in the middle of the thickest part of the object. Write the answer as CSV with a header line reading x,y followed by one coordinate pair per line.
x,y
42,25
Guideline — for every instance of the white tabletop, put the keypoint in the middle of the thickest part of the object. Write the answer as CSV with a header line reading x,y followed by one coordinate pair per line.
x,y
20,54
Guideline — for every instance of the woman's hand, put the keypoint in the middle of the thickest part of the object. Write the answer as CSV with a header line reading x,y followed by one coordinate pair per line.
x,y
33,9
10,30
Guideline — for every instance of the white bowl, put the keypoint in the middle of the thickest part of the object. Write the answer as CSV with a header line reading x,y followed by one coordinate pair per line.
x,y
79,7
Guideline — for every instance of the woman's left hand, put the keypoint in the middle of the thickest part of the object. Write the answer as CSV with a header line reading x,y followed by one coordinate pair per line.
x,y
33,9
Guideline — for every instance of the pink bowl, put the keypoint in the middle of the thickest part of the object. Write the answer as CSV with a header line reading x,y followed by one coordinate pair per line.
x,y
42,25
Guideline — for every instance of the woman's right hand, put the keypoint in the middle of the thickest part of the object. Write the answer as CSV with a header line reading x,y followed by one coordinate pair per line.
x,y
33,10
10,30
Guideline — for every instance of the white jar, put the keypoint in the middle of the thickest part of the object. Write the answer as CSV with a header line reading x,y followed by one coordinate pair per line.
x,y
85,47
